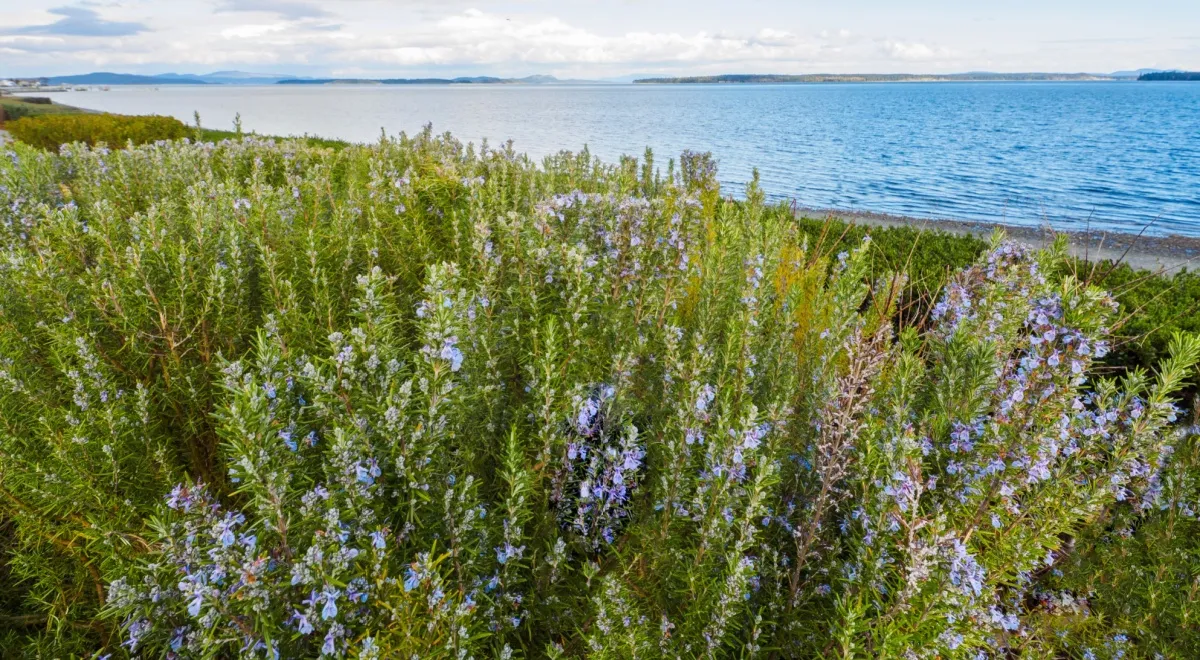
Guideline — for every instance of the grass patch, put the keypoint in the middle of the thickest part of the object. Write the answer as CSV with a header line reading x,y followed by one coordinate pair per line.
x,y
14,108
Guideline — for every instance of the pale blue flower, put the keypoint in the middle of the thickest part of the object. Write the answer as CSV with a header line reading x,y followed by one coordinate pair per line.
x,y
330,611
194,605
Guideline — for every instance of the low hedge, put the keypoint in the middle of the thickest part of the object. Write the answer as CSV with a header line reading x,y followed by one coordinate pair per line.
x,y
116,131
1154,307
926,256
12,109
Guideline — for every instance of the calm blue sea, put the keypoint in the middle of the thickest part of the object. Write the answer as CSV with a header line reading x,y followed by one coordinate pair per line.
x,y
1120,155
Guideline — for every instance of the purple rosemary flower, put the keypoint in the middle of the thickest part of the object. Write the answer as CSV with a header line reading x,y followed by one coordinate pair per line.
x,y
330,610
378,540
302,623
965,572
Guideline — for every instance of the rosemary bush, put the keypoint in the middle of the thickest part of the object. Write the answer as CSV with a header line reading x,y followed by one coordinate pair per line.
x,y
1134,582
418,399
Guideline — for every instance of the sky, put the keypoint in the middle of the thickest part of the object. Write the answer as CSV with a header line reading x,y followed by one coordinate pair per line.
x,y
595,38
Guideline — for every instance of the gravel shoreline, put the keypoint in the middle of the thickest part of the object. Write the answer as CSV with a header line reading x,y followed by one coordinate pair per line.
x,y
1164,254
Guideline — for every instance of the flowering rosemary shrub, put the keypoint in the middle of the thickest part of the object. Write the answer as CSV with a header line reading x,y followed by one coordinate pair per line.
x,y
417,399
1133,585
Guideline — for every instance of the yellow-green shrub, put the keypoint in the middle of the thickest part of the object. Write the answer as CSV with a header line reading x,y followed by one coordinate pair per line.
x,y
116,131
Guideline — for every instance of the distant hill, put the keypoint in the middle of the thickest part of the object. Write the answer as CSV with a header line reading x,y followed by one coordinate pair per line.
x,y
1170,75
247,78
233,77
873,77
243,75
106,78
189,78
1134,74
328,81
215,78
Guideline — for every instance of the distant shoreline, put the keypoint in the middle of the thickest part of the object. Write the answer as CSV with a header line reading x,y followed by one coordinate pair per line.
x,y
232,78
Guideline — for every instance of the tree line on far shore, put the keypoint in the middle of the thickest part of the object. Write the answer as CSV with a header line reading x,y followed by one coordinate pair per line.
x,y
1170,75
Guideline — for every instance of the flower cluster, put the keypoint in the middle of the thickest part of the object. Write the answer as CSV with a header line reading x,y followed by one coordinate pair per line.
x,y
599,469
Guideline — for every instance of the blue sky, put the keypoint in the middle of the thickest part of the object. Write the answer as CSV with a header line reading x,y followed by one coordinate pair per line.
x,y
594,38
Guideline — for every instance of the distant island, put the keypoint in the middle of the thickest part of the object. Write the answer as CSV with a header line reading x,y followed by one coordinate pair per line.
x,y
106,78
1170,75
215,78
878,77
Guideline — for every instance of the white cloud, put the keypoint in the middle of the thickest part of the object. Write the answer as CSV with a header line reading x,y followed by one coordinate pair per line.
x,y
915,52
79,21
251,31
283,8
478,37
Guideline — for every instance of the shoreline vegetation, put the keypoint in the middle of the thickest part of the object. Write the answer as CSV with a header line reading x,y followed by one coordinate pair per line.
x,y
1171,76
1154,275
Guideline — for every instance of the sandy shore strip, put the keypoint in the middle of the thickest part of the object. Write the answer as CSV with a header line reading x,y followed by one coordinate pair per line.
x,y
1166,254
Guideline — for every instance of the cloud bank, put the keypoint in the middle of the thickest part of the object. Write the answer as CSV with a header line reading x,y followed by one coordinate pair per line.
x,y
80,21
281,8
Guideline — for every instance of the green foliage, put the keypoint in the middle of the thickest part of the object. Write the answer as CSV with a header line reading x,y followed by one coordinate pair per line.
x,y
52,131
928,257
422,399
1137,573
214,135
1154,307
12,109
